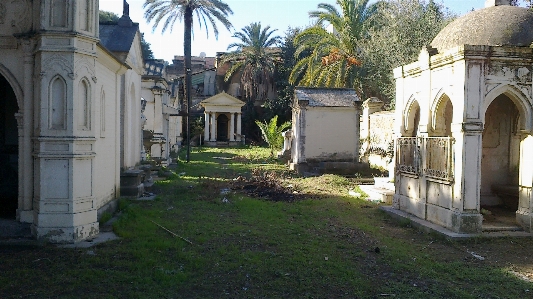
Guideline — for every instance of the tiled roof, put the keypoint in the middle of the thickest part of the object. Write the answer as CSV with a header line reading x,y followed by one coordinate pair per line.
x,y
118,38
327,97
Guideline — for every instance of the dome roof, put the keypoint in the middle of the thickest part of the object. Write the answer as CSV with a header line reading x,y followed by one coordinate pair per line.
x,y
493,26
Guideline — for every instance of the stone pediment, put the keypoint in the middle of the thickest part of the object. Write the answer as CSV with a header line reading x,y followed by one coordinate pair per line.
x,y
222,102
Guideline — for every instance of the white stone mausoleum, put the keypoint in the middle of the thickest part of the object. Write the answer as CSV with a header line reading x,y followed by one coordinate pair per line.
x,y
69,114
464,122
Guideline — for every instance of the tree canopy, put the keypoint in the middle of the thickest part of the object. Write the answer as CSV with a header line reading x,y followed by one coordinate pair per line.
x,y
206,11
146,48
254,58
334,45
107,16
399,31
359,45
168,12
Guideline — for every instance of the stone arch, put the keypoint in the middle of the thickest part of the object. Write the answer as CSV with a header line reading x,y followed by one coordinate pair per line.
x,y
57,103
9,150
521,101
441,115
411,117
17,89
84,101
222,127
505,112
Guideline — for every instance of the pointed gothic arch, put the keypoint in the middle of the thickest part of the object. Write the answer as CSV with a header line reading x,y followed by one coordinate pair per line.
x,y
9,151
411,117
57,103
441,115
13,82
521,101
84,102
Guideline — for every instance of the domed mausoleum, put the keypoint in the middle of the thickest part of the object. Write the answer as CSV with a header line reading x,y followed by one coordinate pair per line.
x,y
464,124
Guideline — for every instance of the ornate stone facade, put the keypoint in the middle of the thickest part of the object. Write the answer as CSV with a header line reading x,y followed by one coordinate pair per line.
x,y
464,121
64,86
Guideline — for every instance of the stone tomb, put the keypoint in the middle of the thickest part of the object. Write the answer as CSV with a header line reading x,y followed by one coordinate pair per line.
x,y
464,124
325,130
222,120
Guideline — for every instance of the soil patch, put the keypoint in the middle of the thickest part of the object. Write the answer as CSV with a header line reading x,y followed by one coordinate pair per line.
x,y
266,185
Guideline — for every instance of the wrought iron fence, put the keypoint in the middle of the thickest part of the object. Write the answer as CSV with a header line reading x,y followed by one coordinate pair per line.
x,y
438,157
408,155
428,156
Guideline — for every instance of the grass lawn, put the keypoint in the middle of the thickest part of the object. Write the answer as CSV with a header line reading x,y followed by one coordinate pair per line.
x,y
320,243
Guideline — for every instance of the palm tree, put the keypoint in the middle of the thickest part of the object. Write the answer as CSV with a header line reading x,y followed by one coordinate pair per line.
x,y
271,133
334,60
255,58
206,11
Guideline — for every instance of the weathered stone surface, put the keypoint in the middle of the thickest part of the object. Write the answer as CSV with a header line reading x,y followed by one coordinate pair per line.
x,y
491,26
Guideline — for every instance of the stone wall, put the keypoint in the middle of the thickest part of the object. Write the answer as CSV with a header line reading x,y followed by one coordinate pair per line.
x,y
377,134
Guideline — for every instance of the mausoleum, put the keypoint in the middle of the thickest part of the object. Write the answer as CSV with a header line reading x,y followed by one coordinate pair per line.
x,y
69,114
223,114
325,130
464,124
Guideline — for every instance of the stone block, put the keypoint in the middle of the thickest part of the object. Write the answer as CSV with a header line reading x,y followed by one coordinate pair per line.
x,y
131,183
466,223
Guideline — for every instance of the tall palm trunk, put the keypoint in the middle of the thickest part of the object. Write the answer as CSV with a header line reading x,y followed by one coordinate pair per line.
x,y
188,80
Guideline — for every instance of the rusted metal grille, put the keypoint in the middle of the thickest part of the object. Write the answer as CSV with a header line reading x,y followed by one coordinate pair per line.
x,y
438,160
408,155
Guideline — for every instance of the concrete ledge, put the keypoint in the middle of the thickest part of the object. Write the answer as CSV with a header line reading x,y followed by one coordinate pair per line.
x,y
376,193
429,227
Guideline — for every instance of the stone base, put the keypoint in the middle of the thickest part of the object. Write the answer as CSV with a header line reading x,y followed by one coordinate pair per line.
x,y
323,167
25,216
344,168
467,223
110,207
132,191
299,168
66,234
378,193
525,220
410,205
429,227
130,183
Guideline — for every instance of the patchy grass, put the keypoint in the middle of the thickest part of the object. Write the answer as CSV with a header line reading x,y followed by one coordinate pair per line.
x,y
326,244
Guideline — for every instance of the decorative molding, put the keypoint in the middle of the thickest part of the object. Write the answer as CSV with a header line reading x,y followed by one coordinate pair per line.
x,y
85,68
523,74
59,63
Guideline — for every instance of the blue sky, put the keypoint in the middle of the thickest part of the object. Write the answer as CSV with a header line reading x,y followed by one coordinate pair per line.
x,y
279,14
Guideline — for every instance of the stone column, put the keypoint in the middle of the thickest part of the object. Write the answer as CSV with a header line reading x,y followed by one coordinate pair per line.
x,y
25,211
524,214
465,216
206,127
239,134
232,127
357,129
213,127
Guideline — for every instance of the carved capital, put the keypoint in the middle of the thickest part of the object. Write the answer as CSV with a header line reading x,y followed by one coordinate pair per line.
x,y
19,116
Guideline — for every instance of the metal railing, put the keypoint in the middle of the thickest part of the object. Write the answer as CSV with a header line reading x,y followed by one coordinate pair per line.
x,y
432,157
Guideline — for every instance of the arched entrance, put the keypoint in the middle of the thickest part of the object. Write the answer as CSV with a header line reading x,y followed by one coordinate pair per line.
x,y
222,128
8,151
442,118
500,164
412,120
